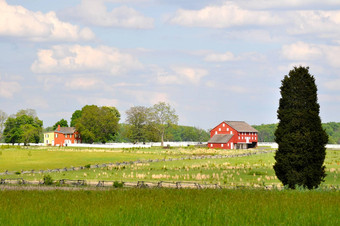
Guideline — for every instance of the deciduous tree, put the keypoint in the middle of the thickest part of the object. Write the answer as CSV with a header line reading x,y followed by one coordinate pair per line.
x,y
76,115
98,124
137,118
162,115
3,118
62,122
300,136
16,127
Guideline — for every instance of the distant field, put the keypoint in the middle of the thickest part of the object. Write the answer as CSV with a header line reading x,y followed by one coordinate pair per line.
x,y
169,207
250,171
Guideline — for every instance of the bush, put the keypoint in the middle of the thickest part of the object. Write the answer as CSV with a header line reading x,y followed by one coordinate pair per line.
x,y
118,184
88,166
48,180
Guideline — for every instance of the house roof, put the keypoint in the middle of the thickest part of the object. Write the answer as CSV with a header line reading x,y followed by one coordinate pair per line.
x,y
66,130
241,126
220,138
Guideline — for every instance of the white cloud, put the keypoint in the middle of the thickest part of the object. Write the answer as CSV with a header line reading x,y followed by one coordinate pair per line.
x,y
16,21
322,23
301,51
229,56
147,97
77,58
227,15
97,101
267,4
96,13
82,83
8,88
309,52
223,57
180,75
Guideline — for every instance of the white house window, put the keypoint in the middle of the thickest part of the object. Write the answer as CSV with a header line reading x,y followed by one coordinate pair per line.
x,y
211,145
219,129
228,144
223,125
215,132
222,145
231,132
227,129
56,135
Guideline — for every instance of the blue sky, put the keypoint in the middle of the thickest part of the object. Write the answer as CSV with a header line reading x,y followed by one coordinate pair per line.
x,y
211,60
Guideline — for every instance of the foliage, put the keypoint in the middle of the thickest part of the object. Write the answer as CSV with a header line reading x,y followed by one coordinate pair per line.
x,y
333,131
266,132
75,116
118,184
23,127
137,119
300,136
186,133
48,180
62,122
98,124
162,116
3,118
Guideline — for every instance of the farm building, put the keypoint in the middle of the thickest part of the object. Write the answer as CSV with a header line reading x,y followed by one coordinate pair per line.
x,y
233,135
62,136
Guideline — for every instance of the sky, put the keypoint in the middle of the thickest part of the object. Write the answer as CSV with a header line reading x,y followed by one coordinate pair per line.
x,y
210,60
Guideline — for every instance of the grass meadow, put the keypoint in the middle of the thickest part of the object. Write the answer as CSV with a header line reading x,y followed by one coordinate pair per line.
x,y
250,171
169,207
25,205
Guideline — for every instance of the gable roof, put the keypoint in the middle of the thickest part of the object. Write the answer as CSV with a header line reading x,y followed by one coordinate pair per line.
x,y
220,138
241,126
66,130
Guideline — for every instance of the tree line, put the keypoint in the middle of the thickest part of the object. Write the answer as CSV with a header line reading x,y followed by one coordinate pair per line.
x,y
101,125
266,132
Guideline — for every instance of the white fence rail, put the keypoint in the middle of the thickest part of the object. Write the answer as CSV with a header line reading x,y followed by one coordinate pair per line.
x,y
158,144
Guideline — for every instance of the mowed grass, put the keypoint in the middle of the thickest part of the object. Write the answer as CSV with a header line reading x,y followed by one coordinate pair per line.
x,y
169,207
250,171
18,158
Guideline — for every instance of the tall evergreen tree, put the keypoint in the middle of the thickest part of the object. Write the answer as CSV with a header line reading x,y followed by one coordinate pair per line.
x,y
300,136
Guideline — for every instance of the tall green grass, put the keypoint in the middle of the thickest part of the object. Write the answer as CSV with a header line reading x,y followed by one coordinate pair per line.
x,y
169,207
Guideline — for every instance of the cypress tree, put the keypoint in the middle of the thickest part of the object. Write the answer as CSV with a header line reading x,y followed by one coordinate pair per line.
x,y
300,136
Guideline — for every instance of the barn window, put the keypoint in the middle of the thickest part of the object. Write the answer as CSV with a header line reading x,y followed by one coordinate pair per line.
x,y
223,125
227,129
211,145
228,144
215,132
222,145
219,129
56,135
231,132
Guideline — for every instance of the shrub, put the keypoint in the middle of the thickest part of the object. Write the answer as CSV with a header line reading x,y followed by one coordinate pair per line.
x,y
118,184
88,166
48,180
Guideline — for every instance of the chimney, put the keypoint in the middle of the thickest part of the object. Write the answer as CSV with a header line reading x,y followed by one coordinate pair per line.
x,y
58,128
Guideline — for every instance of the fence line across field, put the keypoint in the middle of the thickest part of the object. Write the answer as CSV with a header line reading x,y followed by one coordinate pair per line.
x,y
136,162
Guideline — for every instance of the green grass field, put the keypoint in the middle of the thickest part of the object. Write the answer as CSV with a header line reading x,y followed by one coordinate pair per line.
x,y
250,171
127,206
169,207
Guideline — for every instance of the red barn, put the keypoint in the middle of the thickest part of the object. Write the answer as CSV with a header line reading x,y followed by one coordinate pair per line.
x,y
66,135
233,135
